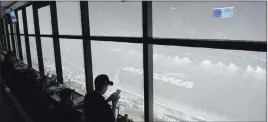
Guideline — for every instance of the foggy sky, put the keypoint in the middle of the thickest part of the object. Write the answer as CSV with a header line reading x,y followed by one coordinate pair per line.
x,y
170,20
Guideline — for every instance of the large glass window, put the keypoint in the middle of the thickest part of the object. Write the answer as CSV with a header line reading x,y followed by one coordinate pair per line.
x,y
69,18
32,41
196,20
72,58
23,48
34,53
16,40
190,84
122,62
115,18
10,40
20,22
48,55
30,21
47,43
199,84
45,20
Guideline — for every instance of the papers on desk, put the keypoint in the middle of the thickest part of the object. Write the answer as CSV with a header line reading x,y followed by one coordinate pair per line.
x,y
20,67
52,88
49,74
78,100
56,97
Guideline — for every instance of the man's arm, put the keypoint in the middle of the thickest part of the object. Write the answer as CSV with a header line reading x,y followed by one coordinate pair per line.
x,y
114,100
114,103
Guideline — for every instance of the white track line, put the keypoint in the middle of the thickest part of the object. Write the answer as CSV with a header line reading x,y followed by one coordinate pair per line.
x,y
156,102
76,66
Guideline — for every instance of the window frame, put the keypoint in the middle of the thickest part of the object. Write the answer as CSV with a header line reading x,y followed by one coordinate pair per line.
x,y
18,36
147,40
7,32
3,36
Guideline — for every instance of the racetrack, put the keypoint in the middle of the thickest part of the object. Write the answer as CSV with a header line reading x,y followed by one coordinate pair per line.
x,y
224,96
220,92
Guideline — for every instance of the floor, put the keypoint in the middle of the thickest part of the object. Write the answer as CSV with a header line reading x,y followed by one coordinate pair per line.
x,y
8,112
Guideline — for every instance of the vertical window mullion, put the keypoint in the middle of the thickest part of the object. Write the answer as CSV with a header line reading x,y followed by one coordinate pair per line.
x,y
4,34
1,34
26,36
147,60
7,33
2,39
12,38
38,40
87,45
18,36
55,32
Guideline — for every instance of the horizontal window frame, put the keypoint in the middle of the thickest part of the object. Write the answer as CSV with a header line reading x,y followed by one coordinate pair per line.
x,y
260,46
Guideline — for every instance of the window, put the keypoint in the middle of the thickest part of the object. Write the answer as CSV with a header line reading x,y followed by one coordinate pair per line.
x,y
16,40
5,33
47,43
30,20
69,18
195,20
3,39
122,62
20,22
194,83
16,46
190,84
10,40
45,20
115,18
34,53
72,58
32,41
48,55
23,48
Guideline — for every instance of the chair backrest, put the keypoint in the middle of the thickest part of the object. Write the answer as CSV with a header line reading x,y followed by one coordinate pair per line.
x,y
65,95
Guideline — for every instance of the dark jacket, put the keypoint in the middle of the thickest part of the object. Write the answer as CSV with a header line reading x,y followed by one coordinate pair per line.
x,y
97,108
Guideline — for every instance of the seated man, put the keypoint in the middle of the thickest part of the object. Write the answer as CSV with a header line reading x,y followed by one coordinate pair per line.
x,y
97,108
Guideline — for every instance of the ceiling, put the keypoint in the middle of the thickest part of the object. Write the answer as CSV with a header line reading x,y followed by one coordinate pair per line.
x,y
4,5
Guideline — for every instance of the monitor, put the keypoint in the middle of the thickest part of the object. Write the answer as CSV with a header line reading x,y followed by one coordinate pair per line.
x,y
13,16
226,12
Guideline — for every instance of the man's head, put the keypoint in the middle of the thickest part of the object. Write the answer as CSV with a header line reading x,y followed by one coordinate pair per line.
x,y
101,83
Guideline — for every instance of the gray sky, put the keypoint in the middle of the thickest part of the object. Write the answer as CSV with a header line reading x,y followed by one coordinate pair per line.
x,y
195,20
170,20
